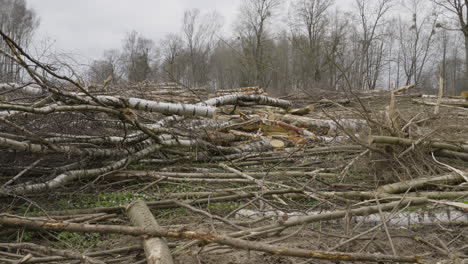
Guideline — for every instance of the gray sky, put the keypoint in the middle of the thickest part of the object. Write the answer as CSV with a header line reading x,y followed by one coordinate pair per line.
x,y
86,28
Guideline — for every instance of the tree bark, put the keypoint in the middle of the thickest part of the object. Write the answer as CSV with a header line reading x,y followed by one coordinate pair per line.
x,y
409,142
401,187
156,249
466,61
204,237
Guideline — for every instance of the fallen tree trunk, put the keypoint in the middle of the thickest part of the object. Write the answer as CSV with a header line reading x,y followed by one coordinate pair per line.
x,y
452,154
156,249
409,142
20,222
71,175
401,187
323,126
362,211
357,195
237,99
160,107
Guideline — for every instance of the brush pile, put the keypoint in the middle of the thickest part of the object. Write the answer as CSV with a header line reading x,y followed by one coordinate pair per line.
x,y
256,172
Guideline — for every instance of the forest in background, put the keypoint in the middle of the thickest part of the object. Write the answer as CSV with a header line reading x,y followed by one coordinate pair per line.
x,y
99,163
281,46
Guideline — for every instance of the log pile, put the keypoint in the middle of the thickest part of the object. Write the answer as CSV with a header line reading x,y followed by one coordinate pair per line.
x,y
121,160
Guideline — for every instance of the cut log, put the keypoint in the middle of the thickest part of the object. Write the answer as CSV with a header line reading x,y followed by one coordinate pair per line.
x,y
18,222
401,187
239,98
323,126
276,143
302,111
404,88
409,142
156,249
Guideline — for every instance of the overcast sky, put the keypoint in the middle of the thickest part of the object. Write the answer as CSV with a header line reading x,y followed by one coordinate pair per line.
x,y
86,28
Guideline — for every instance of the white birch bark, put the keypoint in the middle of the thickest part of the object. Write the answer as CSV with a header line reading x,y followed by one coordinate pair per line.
x,y
133,103
85,173
240,98
160,107
14,87
36,148
156,249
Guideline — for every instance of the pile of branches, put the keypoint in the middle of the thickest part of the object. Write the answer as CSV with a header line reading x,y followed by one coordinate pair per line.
x,y
52,137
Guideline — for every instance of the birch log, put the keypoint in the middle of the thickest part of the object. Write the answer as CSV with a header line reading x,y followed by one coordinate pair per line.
x,y
410,142
36,148
133,103
68,176
21,222
160,107
401,187
156,249
239,98
26,89
323,126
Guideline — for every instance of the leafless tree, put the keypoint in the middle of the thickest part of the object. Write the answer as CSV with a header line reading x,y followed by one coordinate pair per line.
x,y
370,45
173,64
226,69
308,23
459,11
450,46
252,29
199,33
19,22
109,65
417,39
137,56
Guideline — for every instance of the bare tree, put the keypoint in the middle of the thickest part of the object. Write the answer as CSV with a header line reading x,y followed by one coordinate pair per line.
x,y
226,71
371,47
254,20
417,39
173,64
137,56
336,48
459,9
199,32
19,22
109,65
451,49
308,23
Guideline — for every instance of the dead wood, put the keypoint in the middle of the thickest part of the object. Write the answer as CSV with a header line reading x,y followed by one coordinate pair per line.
x,y
409,142
204,237
156,249
413,185
52,251
281,156
124,250
164,204
71,175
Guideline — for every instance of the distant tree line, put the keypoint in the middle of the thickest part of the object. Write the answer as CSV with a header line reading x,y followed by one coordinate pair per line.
x,y
287,46
19,22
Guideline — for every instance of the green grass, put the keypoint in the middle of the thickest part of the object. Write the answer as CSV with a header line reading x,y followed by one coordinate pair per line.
x,y
80,240
108,199
140,167
223,208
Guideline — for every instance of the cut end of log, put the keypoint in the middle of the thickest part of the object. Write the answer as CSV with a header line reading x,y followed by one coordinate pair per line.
x,y
302,111
464,95
276,143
